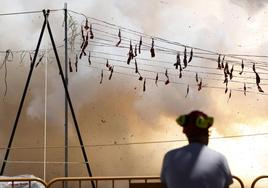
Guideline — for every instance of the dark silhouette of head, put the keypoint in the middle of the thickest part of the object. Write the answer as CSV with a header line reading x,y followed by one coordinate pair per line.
x,y
196,126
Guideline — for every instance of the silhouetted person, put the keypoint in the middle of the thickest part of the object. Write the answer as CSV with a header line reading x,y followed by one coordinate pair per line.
x,y
195,165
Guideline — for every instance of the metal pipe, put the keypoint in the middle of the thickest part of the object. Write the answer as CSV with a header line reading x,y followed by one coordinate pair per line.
x,y
239,181
129,179
66,101
257,179
111,178
29,180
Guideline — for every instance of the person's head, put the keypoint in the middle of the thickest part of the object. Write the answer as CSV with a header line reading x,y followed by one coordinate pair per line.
x,y
196,126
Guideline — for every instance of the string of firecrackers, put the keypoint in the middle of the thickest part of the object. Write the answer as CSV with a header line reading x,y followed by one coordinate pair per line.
x,y
9,57
187,58
112,26
110,68
87,33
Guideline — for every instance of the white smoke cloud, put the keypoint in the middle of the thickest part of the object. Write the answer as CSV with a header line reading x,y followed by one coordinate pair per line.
x,y
251,6
117,111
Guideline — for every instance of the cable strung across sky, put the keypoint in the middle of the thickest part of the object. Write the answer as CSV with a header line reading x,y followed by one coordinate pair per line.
x,y
104,34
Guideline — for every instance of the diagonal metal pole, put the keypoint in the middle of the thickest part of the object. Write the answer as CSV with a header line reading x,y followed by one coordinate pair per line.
x,y
70,103
24,95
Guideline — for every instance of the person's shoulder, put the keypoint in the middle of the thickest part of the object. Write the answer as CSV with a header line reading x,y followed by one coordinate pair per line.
x,y
171,152
176,150
216,153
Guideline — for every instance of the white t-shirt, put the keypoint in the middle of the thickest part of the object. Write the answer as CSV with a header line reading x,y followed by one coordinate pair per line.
x,y
195,166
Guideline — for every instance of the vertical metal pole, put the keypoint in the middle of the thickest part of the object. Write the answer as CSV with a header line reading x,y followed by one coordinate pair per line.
x,y
66,101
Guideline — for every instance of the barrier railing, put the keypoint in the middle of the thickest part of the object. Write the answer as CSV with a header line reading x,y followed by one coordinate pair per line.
x,y
239,181
257,179
15,182
127,181
132,181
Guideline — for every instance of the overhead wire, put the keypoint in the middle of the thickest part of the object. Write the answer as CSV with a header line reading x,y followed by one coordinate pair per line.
x,y
27,12
203,52
113,35
43,162
105,44
178,83
172,74
165,67
207,73
165,62
31,50
174,52
158,60
114,26
114,144
94,43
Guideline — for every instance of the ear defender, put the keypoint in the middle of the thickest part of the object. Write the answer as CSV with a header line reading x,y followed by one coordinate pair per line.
x,y
200,122
181,120
204,123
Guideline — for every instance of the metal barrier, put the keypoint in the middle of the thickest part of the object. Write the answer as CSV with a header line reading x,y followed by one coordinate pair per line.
x,y
239,181
14,182
131,181
128,179
257,179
